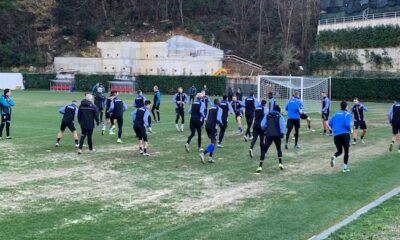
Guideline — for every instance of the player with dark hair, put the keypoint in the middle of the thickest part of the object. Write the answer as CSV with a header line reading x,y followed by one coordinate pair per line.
x,y
206,100
273,125
226,109
250,103
237,107
140,118
192,93
69,113
340,123
139,100
196,111
357,111
180,99
117,109
271,101
100,102
260,113
293,108
6,103
87,115
107,114
213,118
394,120
326,104
155,109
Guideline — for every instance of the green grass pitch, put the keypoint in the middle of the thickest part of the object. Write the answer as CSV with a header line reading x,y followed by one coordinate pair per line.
x,y
52,193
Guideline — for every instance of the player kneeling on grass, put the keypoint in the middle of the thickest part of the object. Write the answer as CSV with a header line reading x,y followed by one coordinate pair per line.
x,y
87,115
394,120
140,118
358,112
180,99
273,125
196,111
5,112
214,117
69,112
340,124
117,109
260,113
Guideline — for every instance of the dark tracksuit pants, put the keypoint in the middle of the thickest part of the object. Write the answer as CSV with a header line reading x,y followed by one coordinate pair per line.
x,y
342,143
222,131
180,113
249,121
156,109
267,145
86,133
120,122
5,121
257,132
195,126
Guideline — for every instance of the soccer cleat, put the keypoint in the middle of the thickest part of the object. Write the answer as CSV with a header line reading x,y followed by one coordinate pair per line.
x,y
362,141
201,155
312,130
220,146
92,151
286,146
333,161
245,138
146,154
57,144
210,160
79,151
345,170
76,145
391,147
354,143
296,146
187,147
140,151
201,150
119,140
259,169
251,154
177,128
281,166
8,137
182,128
112,133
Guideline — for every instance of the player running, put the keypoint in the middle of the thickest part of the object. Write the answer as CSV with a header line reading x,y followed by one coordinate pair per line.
x,y
340,123
180,99
213,118
226,109
260,113
117,109
206,100
273,125
156,104
107,114
192,93
394,120
271,101
100,102
326,103
357,111
139,100
69,113
250,104
87,115
293,108
6,103
238,110
196,111
140,118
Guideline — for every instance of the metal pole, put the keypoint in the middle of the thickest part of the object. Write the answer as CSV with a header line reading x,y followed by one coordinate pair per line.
x,y
330,90
290,89
258,87
302,89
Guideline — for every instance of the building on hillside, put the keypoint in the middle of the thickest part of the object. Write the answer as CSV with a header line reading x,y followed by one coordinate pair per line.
x,y
358,35
177,56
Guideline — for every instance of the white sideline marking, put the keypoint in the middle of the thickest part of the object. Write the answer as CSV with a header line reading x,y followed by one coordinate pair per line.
x,y
325,234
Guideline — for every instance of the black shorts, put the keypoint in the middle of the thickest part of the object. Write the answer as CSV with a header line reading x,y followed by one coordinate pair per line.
x,y
395,128
238,114
108,115
6,118
293,123
180,111
140,132
303,116
325,116
211,133
70,126
360,124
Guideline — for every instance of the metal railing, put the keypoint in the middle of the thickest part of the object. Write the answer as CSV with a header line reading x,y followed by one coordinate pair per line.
x,y
359,18
244,61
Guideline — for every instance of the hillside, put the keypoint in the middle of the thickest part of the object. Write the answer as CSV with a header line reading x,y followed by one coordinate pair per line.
x,y
275,33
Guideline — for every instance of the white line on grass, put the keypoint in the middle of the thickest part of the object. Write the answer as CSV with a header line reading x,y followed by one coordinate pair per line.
x,y
325,234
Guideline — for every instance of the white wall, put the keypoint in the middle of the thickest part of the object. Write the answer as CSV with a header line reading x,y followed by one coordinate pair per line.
x,y
360,24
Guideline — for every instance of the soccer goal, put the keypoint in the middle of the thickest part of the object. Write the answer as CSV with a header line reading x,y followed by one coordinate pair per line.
x,y
283,87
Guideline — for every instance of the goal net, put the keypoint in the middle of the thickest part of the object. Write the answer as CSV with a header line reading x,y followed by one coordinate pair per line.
x,y
283,87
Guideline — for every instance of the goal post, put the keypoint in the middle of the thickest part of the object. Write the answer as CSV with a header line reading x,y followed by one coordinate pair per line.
x,y
283,87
